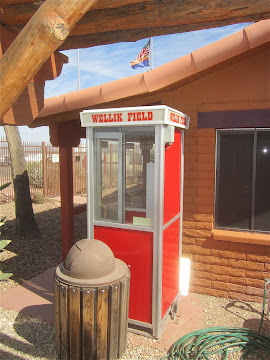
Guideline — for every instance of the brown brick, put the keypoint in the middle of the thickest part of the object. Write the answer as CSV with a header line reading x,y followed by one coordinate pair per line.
x,y
267,267
228,286
255,291
189,224
225,270
197,183
191,148
188,240
197,217
201,267
197,233
206,192
190,174
200,242
186,255
248,248
209,158
204,200
206,175
242,264
210,260
228,254
189,200
246,281
209,140
205,149
211,292
191,140
205,209
206,166
244,297
192,249
204,226
191,157
218,245
190,208
257,274
199,132
190,166
203,275
190,192
211,276
201,282
258,258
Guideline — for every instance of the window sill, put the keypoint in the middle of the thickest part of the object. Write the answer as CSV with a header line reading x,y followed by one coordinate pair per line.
x,y
241,237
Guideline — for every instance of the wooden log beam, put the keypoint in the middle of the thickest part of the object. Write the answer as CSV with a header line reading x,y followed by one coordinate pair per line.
x,y
136,13
153,14
42,35
118,15
111,37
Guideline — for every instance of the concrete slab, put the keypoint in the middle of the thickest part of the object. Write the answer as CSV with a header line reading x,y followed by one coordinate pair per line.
x,y
33,297
36,296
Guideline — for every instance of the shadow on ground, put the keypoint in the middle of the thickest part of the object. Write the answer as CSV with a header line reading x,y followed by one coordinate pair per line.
x,y
27,258
31,339
239,308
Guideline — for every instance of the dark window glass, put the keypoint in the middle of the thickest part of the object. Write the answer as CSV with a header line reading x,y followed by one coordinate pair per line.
x,y
235,185
243,178
262,184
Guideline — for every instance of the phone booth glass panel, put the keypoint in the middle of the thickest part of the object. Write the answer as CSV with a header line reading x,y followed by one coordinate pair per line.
x,y
134,201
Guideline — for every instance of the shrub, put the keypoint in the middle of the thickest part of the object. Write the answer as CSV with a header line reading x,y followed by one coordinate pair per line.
x,y
35,174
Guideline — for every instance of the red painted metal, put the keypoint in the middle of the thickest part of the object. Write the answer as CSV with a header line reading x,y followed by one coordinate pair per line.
x,y
170,268
135,248
172,178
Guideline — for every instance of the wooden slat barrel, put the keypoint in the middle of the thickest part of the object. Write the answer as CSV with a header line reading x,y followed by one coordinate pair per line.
x,y
91,322
91,303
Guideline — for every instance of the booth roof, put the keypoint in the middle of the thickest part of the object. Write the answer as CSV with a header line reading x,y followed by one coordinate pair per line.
x,y
174,74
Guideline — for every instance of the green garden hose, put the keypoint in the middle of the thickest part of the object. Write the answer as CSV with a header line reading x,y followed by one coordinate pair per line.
x,y
202,344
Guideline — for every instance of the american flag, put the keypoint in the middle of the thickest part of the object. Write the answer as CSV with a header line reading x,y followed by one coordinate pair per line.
x,y
143,58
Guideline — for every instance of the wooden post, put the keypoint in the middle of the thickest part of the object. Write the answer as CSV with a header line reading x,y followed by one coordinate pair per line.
x,y
41,36
66,190
66,136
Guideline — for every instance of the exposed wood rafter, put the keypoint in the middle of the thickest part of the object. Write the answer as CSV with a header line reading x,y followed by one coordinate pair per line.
x,y
45,26
118,20
43,34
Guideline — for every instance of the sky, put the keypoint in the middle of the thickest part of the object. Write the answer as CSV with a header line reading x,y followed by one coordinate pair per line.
x,y
105,63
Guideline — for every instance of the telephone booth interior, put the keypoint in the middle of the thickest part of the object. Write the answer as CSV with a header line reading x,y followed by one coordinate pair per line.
x,y
135,202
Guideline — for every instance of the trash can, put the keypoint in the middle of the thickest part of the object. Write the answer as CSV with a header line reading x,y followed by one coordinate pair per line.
x,y
91,303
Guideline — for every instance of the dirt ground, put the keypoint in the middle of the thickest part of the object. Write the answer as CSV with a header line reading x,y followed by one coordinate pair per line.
x,y
23,337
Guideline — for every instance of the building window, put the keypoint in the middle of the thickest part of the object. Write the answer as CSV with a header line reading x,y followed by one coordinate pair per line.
x,y
243,180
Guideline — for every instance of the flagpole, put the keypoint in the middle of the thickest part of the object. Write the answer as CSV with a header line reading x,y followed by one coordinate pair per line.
x,y
151,53
78,68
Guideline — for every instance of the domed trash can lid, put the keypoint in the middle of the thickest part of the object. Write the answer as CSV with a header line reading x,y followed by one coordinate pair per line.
x,y
91,262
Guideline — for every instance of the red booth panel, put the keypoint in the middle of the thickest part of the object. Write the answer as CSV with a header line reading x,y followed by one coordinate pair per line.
x,y
170,269
172,178
135,248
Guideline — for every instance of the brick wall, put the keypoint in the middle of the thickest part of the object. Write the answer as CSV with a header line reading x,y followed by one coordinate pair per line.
x,y
233,269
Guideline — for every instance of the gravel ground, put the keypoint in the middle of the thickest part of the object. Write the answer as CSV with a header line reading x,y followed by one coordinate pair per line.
x,y
24,337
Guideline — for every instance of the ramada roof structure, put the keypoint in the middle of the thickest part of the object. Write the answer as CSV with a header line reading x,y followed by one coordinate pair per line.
x,y
177,73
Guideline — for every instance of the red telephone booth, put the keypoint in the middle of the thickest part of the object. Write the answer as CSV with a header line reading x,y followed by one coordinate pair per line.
x,y
135,164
